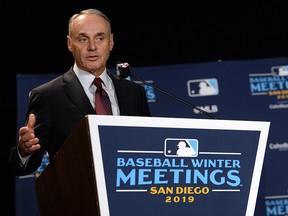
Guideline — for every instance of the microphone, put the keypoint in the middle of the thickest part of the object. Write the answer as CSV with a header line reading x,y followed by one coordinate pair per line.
x,y
123,71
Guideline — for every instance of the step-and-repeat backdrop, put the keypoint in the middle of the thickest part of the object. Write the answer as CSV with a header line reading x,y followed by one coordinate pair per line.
x,y
255,90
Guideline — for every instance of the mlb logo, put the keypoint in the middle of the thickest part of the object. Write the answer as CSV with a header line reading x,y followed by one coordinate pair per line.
x,y
280,70
202,87
174,147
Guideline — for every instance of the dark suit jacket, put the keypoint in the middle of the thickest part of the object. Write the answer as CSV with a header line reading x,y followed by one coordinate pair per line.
x,y
59,105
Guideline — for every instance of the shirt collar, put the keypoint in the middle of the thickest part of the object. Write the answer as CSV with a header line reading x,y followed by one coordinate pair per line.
x,y
87,78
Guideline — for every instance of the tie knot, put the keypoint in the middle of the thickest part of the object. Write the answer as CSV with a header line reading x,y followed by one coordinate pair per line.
x,y
97,81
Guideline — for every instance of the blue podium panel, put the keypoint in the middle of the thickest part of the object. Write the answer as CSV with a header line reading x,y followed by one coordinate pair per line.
x,y
170,166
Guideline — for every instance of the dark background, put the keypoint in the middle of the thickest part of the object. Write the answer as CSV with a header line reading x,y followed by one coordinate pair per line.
x,y
145,34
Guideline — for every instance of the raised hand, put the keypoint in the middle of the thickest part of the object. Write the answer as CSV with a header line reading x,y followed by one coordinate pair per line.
x,y
28,143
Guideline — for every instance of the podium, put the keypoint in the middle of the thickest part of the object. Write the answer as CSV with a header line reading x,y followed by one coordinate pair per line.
x,y
124,165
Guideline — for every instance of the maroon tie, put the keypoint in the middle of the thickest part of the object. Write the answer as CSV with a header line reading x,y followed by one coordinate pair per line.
x,y
102,102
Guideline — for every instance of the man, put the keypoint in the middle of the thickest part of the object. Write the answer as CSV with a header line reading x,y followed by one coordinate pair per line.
x,y
56,107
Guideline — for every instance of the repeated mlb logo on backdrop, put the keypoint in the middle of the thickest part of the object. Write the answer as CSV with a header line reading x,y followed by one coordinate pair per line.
x,y
202,87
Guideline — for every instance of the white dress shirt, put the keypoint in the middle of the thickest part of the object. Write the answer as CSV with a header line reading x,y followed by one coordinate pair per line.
x,y
86,80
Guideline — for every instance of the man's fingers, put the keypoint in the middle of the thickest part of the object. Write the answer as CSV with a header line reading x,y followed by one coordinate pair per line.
x,y
27,149
31,121
26,135
28,143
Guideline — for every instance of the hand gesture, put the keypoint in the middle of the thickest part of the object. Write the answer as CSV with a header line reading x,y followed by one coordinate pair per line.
x,y
28,143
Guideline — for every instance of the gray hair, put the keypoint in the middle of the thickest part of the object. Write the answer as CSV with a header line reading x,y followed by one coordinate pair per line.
x,y
89,11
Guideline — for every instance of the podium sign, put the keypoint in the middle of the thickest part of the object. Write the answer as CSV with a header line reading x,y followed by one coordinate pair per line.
x,y
175,166
146,166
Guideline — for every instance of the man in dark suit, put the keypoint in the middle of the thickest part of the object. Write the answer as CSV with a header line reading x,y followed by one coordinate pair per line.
x,y
58,106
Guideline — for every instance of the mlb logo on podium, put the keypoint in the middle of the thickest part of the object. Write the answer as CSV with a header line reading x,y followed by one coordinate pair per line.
x,y
280,70
175,147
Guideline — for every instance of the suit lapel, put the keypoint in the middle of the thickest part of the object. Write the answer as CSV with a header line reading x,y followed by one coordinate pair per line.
x,y
76,93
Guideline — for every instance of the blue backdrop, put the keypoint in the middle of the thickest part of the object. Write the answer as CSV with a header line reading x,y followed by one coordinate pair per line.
x,y
236,90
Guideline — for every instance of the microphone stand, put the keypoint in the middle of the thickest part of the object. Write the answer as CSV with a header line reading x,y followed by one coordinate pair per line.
x,y
124,71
